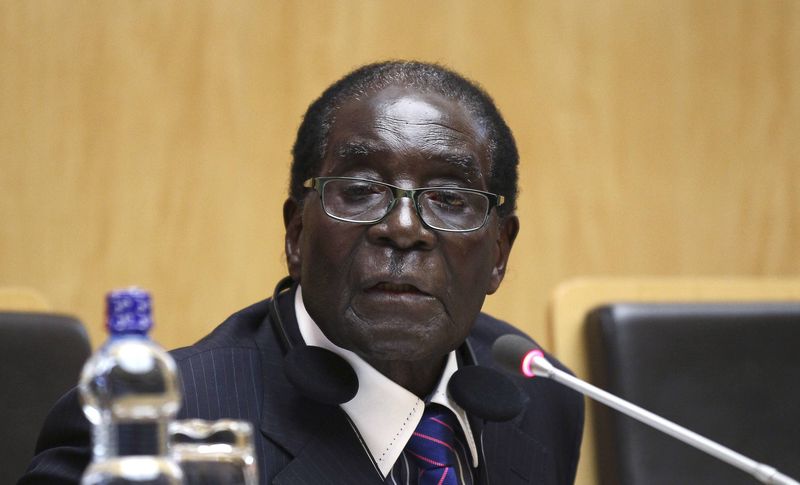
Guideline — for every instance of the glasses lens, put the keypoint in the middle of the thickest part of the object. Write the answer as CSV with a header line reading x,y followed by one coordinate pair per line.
x,y
356,200
453,209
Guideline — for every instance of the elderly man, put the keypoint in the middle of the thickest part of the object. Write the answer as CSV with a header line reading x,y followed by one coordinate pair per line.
x,y
400,221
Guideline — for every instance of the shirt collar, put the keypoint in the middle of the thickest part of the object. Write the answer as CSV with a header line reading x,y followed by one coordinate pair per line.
x,y
385,413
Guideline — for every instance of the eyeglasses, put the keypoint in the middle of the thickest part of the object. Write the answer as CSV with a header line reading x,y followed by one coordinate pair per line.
x,y
362,201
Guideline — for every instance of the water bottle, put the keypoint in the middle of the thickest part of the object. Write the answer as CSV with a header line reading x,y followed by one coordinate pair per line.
x,y
130,392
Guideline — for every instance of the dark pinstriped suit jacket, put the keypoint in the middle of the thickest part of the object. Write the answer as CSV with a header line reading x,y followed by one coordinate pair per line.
x,y
237,372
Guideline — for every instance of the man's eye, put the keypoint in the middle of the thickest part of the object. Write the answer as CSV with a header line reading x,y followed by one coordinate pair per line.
x,y
360,190
448,198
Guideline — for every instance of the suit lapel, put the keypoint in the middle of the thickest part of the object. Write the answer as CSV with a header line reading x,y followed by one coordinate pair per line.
x,y
287,418
334,455
324,447
511,457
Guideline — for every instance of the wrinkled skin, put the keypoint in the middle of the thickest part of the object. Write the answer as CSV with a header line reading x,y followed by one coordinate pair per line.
x,y
398,294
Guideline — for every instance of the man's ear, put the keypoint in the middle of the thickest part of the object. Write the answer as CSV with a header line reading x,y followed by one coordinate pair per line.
x,y
293,223
509,227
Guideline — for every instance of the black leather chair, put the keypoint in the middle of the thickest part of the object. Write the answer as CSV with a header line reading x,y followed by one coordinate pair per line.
x,y
730,372
41,356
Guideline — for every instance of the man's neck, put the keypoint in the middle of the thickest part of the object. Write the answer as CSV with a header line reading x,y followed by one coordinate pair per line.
x,y
418,377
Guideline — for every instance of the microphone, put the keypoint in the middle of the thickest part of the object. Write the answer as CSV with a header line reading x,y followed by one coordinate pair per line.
x,y
519,355
486,393
320,374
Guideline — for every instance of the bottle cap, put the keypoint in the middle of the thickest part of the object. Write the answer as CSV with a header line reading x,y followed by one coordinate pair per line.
x,y
128,311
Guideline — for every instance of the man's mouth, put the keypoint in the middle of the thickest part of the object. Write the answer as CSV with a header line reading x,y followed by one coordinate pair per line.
x,y
399,300
395,288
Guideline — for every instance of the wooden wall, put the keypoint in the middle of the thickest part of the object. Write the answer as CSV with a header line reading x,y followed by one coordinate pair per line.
x,y
148,142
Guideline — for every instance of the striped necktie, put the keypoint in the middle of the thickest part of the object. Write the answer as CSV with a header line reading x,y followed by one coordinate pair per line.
x,y
432,448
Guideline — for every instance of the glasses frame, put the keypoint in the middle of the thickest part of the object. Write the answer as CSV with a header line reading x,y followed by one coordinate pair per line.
x,y
318,184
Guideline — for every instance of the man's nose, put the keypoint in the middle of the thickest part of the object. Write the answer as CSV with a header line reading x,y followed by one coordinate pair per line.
x,y
403,228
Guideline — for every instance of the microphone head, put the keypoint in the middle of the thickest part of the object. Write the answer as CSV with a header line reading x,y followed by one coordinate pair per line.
x,y
510,351
486,393
321,375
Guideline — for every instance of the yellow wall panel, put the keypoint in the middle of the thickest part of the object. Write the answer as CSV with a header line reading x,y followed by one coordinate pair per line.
x,y
148,142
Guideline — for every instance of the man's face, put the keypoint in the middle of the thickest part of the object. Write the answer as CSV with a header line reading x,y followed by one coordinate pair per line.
x,y
396,290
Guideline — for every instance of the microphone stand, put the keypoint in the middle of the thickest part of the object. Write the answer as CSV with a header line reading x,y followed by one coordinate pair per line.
x,y
536,364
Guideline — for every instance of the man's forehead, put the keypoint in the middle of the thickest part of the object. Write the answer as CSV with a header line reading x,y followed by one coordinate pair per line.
x,y
398,117
361,148
412,103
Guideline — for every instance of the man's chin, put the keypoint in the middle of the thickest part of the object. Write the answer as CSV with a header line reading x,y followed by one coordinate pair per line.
x,y
393,337
400,353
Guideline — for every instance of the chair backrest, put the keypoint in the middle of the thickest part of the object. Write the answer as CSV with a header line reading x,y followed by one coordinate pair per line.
x,y
41,356
572,301
730,372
